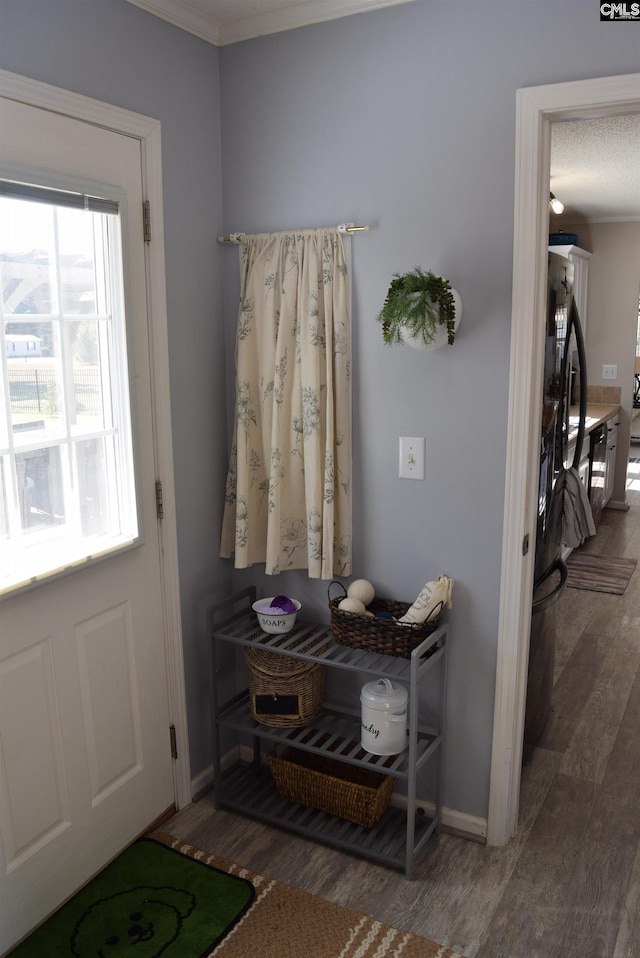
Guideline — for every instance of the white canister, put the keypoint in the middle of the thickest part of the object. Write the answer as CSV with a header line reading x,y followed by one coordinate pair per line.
x,y
384,717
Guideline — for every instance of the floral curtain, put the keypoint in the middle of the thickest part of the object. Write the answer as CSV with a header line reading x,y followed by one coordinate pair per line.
x,y
288,495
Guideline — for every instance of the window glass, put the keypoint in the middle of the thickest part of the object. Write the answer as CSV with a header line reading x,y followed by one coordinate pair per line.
x,y
67,490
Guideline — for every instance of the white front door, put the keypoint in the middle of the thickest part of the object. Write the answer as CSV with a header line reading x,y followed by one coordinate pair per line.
x,y
85,759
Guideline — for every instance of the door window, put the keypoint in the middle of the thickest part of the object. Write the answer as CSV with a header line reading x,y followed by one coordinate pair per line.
x,y
67,489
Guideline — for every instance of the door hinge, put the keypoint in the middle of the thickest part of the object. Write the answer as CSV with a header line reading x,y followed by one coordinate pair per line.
x,y
525,545
174,743
146,221
159,500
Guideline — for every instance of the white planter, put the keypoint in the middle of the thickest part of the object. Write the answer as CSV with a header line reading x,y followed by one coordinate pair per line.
x,y
440,338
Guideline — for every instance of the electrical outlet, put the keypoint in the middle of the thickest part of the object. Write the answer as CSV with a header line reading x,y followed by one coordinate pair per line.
x,y
411,457
609,372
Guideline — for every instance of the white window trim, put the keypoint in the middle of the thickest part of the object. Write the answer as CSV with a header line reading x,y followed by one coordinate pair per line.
x,y
148,131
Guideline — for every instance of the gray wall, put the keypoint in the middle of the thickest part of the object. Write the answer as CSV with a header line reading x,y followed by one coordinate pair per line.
x,y
403,118
111,50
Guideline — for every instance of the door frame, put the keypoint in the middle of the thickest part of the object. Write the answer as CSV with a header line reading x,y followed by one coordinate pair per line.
x,y
536,108
148,131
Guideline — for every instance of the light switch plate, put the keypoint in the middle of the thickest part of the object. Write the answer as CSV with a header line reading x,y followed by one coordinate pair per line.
x,y
609,372
412,452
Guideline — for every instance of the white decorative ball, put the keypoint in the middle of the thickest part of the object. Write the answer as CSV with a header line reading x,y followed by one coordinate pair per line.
x,y
349,604
363,590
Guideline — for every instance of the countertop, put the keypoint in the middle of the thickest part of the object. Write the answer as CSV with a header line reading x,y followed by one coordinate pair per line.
x,y
596,413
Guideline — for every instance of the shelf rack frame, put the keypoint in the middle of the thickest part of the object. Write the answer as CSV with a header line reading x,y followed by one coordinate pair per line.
x,y
248,788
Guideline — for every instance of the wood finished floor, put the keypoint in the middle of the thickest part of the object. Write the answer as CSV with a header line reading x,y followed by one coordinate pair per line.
x,y
568,885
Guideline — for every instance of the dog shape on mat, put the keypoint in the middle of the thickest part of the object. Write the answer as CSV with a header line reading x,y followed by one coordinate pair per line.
x,y
147,917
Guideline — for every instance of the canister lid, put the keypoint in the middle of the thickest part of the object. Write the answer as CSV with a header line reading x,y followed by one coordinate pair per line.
x,y
383,694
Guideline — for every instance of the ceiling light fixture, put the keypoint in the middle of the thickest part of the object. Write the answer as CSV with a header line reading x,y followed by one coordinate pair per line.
x,y
555,204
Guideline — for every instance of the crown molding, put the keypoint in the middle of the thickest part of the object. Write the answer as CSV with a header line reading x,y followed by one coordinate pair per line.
x,y
187,17
196,18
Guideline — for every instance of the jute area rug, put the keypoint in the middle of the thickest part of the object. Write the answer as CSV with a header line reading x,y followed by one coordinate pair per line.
x,y
598,573
285,922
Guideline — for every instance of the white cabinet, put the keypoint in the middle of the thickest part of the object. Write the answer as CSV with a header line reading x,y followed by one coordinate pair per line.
x,y
248,787
583,460
579,258
610,461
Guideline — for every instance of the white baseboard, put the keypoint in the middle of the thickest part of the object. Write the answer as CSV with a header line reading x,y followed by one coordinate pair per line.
x,y
471,827
617,504
201,783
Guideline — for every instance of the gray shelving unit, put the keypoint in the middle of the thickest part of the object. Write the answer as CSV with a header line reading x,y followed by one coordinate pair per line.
x,y
249,789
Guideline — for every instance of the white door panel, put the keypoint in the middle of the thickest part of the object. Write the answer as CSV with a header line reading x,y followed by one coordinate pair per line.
x,y
34,806
85,762
107,676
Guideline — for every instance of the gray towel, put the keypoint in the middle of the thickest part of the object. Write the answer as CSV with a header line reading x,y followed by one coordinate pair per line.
x,y
577,518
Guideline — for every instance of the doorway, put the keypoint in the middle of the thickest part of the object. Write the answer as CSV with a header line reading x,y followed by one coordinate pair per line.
x,y
86,671
537,107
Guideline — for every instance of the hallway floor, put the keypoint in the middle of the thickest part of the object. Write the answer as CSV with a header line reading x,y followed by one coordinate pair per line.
x,y
568,885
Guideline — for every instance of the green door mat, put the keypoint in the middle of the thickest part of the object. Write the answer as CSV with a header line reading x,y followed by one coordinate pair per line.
x,y
151,897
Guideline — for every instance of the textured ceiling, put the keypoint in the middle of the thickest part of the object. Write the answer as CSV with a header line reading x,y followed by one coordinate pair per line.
x,y
595,167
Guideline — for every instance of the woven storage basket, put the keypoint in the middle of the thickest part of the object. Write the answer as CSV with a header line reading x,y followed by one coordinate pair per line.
x,y
284,691
358,794
378,634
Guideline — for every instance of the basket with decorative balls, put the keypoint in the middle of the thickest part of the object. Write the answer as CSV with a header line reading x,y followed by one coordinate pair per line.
x,y
362,620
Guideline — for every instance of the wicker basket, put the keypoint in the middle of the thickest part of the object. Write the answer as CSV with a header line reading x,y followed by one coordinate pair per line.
x,y
284,692
358,794
377,634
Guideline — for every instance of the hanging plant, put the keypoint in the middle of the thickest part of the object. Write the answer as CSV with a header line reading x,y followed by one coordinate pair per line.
x,y
417,306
